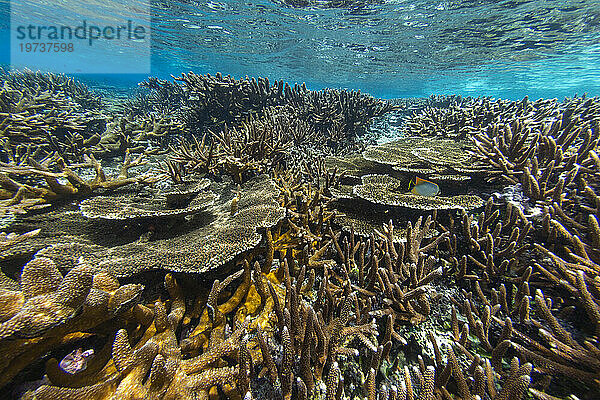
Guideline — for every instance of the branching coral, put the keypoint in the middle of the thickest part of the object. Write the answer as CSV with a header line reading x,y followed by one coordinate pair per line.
x,y
257,145
539,157
51,311
493,243
326,120
136,134
506,309
62,185
54,83
463,117
350,112
47,111
216,100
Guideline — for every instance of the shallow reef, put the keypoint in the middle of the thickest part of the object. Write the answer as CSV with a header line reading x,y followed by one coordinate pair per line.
x,y
221,238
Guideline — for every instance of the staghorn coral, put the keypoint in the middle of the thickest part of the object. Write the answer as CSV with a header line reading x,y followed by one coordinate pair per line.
x,y
275,137
255,146
55,84
196,157
306,208
301,331
211,101
505,307
330,117
331,110
155,95
398,270
494,243
154,367
136,134
258,144
544,342
378,379
45,113
536,155
476,377
63,185
51,311
460,118
49,300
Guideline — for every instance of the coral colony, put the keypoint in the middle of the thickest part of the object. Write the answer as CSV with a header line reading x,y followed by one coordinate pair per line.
x,y
219,238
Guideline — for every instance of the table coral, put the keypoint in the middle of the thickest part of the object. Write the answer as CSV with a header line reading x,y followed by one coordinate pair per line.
x,y
424,155
215,238
136,205
384,189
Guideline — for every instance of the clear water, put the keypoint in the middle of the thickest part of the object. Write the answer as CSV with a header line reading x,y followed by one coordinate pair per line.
x,y
388,48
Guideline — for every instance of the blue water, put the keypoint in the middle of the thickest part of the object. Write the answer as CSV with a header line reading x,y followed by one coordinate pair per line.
x,y
388,48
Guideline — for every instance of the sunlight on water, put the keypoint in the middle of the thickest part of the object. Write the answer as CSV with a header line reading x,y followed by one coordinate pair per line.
x,y
389,48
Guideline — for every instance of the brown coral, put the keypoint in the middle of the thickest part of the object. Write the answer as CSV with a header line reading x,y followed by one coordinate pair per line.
x,y
386,190
54,310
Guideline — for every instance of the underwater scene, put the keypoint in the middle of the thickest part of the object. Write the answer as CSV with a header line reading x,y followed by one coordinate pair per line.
x,y
300,199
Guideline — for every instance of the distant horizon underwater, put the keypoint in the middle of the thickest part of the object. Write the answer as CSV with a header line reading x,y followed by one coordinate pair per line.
x,y
300,199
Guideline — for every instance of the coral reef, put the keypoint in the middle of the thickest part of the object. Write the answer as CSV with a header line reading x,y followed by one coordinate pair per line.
x,y
268,247
213,237
17,197
386,190
50,310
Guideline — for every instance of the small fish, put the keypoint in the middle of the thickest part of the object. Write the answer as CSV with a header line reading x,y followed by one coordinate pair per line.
x,y
76,361
423,187
235,200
